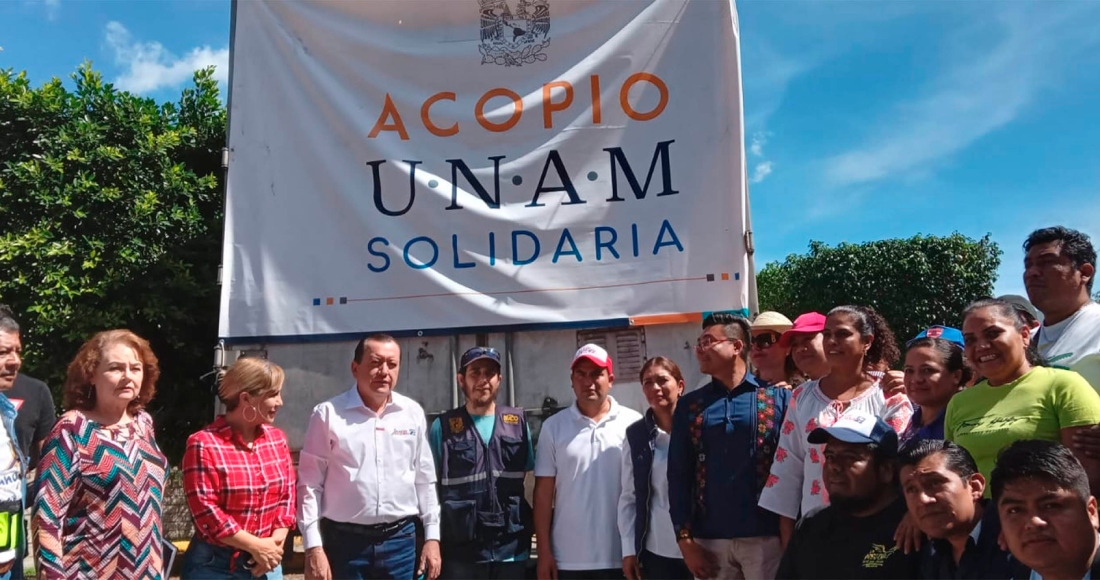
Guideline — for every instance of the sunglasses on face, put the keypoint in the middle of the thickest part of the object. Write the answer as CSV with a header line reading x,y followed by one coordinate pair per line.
x,y
764,341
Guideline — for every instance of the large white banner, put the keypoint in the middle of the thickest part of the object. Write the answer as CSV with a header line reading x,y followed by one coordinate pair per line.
x,y
403,165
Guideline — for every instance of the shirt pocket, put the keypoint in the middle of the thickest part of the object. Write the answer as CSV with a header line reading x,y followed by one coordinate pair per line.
x,y
461,457
513,453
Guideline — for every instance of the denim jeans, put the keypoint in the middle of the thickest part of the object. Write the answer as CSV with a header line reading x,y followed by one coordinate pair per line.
x,y
204,561
356,557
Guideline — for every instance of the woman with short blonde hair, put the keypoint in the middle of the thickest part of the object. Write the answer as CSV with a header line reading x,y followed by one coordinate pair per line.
x,y
239,480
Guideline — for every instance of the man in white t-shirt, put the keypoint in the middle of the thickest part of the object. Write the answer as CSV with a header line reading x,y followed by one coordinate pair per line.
x,y
1058,271
577,476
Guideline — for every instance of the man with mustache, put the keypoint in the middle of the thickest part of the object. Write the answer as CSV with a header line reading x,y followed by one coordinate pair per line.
x,y
366,475
483,453
1048,517
943,491
853,536
12,460
31,397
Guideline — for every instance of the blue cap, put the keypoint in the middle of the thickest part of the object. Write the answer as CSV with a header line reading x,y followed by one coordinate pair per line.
x,y
858,427
945,332
478,353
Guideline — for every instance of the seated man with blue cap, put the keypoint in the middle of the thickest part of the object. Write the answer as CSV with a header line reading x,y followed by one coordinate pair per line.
x,y
853,536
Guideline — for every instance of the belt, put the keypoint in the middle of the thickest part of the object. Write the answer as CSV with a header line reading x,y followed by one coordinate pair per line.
x,y
376,532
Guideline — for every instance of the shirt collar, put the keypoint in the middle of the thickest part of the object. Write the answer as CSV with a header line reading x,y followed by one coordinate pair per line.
x,y
224,431
749,379
611,413
352,400
976,532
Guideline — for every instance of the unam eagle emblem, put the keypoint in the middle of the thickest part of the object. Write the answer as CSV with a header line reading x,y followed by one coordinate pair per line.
x,y
456,425
514,38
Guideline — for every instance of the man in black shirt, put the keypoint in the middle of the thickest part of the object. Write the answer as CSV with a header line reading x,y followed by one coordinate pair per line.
x,y
943,490
853,537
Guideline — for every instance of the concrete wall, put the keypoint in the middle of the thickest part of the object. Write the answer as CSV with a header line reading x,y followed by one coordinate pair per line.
x,y
318,371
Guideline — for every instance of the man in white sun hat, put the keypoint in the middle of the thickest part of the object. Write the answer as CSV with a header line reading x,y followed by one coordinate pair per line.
x,y
578,469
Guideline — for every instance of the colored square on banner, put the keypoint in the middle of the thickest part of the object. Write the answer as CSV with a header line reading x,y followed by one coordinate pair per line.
x,y
316,301
725,275
329,301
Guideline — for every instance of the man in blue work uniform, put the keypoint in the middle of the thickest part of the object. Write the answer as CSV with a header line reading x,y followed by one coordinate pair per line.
x,y
482,454
724,437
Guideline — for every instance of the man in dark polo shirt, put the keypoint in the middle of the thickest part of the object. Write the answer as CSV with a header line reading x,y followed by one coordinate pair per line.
x,y
943,490
853,537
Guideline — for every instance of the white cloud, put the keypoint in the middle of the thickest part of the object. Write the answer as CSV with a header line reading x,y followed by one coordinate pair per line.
x,y
987,88
761,171
759,140
148,66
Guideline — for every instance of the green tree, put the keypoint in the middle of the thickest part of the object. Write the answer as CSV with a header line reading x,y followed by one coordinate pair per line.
x,y
110,217
914,283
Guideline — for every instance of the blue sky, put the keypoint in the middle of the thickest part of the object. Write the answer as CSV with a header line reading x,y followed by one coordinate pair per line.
x,y
865,119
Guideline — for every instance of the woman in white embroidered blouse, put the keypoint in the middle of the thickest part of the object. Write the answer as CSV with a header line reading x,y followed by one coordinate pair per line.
x,y
856,338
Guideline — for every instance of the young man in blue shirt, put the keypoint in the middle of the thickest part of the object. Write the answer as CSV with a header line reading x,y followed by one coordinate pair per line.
x,y
724,437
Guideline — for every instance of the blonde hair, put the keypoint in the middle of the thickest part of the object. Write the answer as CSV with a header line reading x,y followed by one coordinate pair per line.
x,y
256,376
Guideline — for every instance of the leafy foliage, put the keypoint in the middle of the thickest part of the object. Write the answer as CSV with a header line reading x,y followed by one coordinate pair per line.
x,y
914,283
110,216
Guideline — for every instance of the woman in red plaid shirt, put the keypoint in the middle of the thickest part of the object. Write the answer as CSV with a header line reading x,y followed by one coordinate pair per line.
x,y
239,480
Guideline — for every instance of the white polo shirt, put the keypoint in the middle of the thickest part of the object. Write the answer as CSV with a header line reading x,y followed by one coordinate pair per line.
x,y
585,458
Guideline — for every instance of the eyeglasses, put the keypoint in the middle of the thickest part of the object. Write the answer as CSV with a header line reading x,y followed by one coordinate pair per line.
x,y
764,341
709,341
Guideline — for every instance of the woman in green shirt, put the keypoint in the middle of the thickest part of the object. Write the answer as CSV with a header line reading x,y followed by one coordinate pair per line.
x,y
1018,399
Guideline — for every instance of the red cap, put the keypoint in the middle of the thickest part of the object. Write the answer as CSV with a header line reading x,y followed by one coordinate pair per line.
x,y
809,323
595,354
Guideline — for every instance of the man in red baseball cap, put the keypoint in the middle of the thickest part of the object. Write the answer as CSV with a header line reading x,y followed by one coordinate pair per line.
x,y
576,515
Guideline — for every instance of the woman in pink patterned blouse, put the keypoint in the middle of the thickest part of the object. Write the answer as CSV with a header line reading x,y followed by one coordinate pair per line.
x,y
239,480
856,339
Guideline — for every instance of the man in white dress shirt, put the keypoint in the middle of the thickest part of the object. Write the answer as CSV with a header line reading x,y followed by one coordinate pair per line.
x,y
365,474
578,470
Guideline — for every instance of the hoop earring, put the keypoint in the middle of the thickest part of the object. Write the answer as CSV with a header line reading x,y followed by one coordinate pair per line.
x,y
255,414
